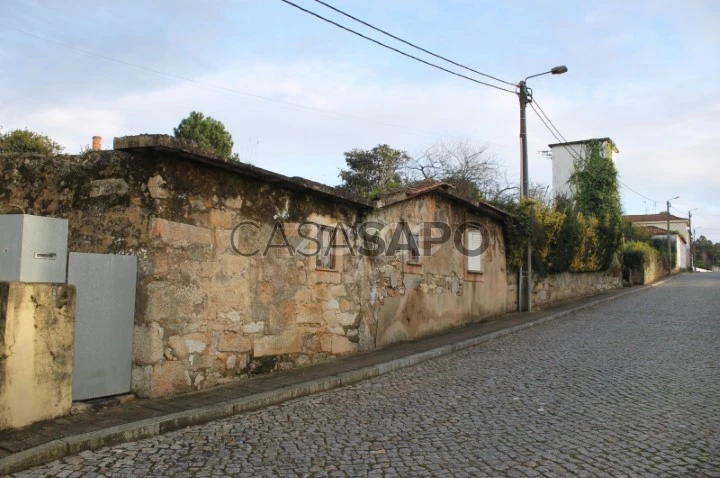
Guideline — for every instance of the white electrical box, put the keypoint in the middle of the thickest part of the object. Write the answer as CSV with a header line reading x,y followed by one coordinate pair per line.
x,y
33,248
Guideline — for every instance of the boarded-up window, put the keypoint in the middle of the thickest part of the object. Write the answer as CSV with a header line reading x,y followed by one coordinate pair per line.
x,y
325,258
474,258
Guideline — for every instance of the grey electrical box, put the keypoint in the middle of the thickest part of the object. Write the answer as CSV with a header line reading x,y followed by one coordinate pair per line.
x,y
33,248
104,323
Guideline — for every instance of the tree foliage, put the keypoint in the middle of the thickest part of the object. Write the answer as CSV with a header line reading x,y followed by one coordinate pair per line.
x,y
661,245
24,141
209,133
636,254
637,233
470,168
562,239
578,234
566,244
707,254
373,172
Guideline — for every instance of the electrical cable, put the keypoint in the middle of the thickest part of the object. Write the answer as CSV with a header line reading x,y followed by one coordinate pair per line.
x,y
217,88
548,119
572,153
377,42
546,125
412,44
639,194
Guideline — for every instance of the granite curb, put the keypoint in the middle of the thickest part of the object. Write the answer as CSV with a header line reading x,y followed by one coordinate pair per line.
x,y
150,427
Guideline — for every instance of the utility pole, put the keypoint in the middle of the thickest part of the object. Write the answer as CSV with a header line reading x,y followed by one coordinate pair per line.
x,y
525,276
692,237
523,96
669,249
525,273
668,240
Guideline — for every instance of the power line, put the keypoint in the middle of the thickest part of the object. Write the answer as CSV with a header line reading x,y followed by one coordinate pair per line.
x,y
682,213
577,157
377,42
572,153
558,136
639,194
548,127
412,44
216,88
548,119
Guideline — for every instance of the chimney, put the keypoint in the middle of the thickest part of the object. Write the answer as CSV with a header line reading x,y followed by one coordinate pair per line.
x,y
97,143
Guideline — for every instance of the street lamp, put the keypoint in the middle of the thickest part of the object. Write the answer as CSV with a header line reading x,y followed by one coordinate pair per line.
x,y
668,235
525,97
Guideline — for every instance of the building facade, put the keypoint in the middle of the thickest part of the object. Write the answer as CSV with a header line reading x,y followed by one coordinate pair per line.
x,y
564,156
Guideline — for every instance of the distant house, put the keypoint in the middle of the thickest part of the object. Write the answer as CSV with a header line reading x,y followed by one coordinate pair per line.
x,y
564,156
657,224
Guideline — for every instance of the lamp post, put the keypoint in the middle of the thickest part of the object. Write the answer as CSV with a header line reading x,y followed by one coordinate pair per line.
x,y
668,235
525,97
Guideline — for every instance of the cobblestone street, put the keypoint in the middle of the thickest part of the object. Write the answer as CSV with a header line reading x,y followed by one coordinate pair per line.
x,y
629,388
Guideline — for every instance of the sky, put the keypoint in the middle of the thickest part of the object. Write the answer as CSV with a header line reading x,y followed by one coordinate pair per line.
x,y
296,93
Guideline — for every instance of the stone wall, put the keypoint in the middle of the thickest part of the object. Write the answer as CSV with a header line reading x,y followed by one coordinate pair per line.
x,y
204,314
36,352
651,271
567,285
410,299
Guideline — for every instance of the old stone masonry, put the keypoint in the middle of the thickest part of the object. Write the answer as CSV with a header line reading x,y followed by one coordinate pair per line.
x,y
625,389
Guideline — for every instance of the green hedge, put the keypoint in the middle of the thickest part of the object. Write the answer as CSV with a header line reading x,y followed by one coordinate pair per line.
x,y
636,254
661,245
563,239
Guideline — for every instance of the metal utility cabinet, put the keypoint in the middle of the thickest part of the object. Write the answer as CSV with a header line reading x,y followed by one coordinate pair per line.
x,y
104,318
33,248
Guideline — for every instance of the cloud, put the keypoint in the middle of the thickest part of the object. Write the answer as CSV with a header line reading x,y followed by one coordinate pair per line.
x,y
314,112
643,79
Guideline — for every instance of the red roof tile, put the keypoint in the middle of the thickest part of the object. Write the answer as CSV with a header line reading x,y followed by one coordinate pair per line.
x,y
652,217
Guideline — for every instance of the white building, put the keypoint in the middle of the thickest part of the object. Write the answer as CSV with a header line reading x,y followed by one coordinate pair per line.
x,y
564,156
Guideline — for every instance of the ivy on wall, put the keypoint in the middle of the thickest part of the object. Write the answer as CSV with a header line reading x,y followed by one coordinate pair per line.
x,y
597,194
581,234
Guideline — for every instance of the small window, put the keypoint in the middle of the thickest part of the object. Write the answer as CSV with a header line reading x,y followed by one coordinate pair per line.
x,y
325,258
414,248
474,242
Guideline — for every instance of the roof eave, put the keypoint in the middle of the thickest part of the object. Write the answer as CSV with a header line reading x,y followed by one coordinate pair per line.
x,y
189,150
481,206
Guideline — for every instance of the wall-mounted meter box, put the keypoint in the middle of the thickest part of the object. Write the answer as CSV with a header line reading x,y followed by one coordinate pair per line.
x,y
33,248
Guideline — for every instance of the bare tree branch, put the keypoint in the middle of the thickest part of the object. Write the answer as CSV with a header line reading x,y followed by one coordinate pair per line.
x,y
471,168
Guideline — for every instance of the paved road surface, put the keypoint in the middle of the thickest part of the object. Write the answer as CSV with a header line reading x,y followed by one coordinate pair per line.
x,y
631,388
